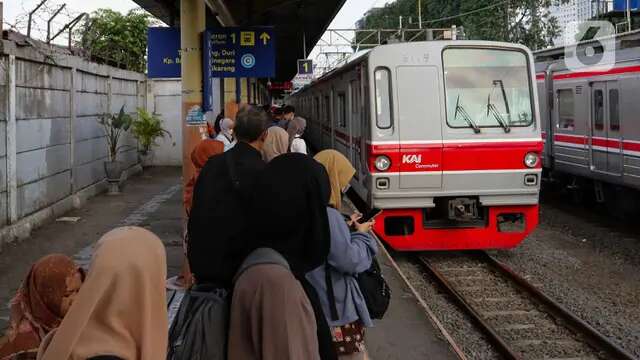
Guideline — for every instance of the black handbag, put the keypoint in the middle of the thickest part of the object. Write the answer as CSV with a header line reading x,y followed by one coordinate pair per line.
x,y
374,289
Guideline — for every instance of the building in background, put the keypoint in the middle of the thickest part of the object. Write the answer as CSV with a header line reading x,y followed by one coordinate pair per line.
x,y
569,15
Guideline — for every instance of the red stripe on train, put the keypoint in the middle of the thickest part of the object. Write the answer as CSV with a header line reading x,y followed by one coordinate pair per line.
x,y
582,74
608,143
454,156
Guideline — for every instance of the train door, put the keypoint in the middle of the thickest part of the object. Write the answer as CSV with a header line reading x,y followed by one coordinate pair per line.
x,y
352,124
419,126
606,151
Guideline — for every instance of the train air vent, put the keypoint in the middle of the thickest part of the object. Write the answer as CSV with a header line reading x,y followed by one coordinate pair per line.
x,y
578,90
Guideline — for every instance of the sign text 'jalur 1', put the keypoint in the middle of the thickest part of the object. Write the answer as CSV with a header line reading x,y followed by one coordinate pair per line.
x,y
239,52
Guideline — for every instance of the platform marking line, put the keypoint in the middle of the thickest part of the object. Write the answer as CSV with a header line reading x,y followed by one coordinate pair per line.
x,y
138,216
425,306
142,213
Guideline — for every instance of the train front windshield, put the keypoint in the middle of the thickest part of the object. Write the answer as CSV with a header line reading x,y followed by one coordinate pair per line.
x,y
487,88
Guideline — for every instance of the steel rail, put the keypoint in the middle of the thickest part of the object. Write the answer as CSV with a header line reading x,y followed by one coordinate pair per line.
x,y
501,346
585,331
592,336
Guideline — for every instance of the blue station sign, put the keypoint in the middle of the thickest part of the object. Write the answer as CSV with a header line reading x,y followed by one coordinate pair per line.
x,y
239,52
163,52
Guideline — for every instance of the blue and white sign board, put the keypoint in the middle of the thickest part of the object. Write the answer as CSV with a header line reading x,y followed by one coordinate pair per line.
x,y
240,52
164,52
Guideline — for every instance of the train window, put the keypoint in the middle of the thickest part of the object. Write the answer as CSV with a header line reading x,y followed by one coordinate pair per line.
x,y
327,109
566,110
614,110
493,90
342,110
384,116
355,96
598,110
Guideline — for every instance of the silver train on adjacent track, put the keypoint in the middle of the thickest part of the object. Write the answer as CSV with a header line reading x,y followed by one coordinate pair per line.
x,y
445,137
590,118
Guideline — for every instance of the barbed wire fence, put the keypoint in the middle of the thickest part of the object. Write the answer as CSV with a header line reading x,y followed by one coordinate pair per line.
x,y
52,22
40,18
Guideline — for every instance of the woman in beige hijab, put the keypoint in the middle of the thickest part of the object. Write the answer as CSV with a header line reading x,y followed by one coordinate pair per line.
x,y
340,174
351,252
276,143
120,311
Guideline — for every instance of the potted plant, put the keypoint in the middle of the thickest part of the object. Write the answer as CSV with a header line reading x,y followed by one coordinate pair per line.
x,y
115,125
147,128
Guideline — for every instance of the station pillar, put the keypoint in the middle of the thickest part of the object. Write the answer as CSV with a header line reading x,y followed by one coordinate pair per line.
x,y
192,25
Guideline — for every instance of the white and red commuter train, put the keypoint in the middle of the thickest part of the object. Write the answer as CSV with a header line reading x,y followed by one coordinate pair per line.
x,y
589,118
445,137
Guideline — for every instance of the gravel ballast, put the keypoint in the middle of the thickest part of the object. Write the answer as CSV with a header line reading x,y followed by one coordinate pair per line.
x,y
589,263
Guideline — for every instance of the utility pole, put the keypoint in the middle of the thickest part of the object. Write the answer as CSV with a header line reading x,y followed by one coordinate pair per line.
x,y
1,17
628,15
419,14
304,44
400,22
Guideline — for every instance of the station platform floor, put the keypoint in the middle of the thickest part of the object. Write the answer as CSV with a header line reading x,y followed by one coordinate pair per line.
x,y
154,200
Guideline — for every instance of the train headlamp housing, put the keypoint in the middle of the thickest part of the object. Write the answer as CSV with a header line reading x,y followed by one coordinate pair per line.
x,y
531,160
382,163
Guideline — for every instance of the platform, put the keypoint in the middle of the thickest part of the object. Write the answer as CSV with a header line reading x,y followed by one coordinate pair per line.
x,y
154,201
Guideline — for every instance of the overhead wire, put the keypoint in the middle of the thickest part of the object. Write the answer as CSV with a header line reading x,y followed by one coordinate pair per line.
x,y
462,14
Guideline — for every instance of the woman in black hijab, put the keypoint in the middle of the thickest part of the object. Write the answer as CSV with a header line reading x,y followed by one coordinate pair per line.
x,y
274,309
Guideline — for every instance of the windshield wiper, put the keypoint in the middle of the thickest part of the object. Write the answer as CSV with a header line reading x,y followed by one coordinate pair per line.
x,y
496,115
465,116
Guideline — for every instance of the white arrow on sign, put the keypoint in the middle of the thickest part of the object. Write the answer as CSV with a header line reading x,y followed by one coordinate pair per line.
x,y
265,38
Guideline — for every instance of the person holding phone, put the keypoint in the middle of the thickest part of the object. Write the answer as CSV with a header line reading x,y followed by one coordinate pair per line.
x,y
351,253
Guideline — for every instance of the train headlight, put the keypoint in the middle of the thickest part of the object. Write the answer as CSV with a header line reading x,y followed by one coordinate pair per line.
x,y
382,163
531,160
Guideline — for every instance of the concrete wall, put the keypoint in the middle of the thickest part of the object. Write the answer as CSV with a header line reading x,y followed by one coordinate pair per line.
x,y
52,148
164,98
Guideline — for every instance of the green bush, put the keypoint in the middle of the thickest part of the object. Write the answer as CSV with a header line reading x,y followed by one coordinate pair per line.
x,y
147,128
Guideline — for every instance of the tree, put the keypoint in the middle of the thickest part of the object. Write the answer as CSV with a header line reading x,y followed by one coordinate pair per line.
x,y
526,22
111,36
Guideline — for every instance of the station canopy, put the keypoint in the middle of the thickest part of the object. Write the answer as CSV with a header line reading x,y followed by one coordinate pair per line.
x,y
292,20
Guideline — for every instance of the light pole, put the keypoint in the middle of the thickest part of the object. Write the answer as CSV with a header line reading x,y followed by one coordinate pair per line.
x,y
420,14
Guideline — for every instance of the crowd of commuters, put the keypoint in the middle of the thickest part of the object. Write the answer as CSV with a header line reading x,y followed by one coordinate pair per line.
x,y
281,247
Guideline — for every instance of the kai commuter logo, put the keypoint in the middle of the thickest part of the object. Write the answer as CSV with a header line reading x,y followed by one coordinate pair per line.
x,y
412,159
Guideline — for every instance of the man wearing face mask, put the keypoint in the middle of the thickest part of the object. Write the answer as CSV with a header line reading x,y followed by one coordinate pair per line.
x,y
218,214
288,113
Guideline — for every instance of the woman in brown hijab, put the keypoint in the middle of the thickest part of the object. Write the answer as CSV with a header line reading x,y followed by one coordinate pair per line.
x,y
275,312
40,304
120,312
199,156
276,143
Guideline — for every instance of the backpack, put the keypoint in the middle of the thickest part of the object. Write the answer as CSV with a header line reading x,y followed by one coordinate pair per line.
x,y
199,331
374,289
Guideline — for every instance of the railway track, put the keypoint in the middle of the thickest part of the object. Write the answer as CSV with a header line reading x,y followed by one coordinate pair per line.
x,y
517,318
